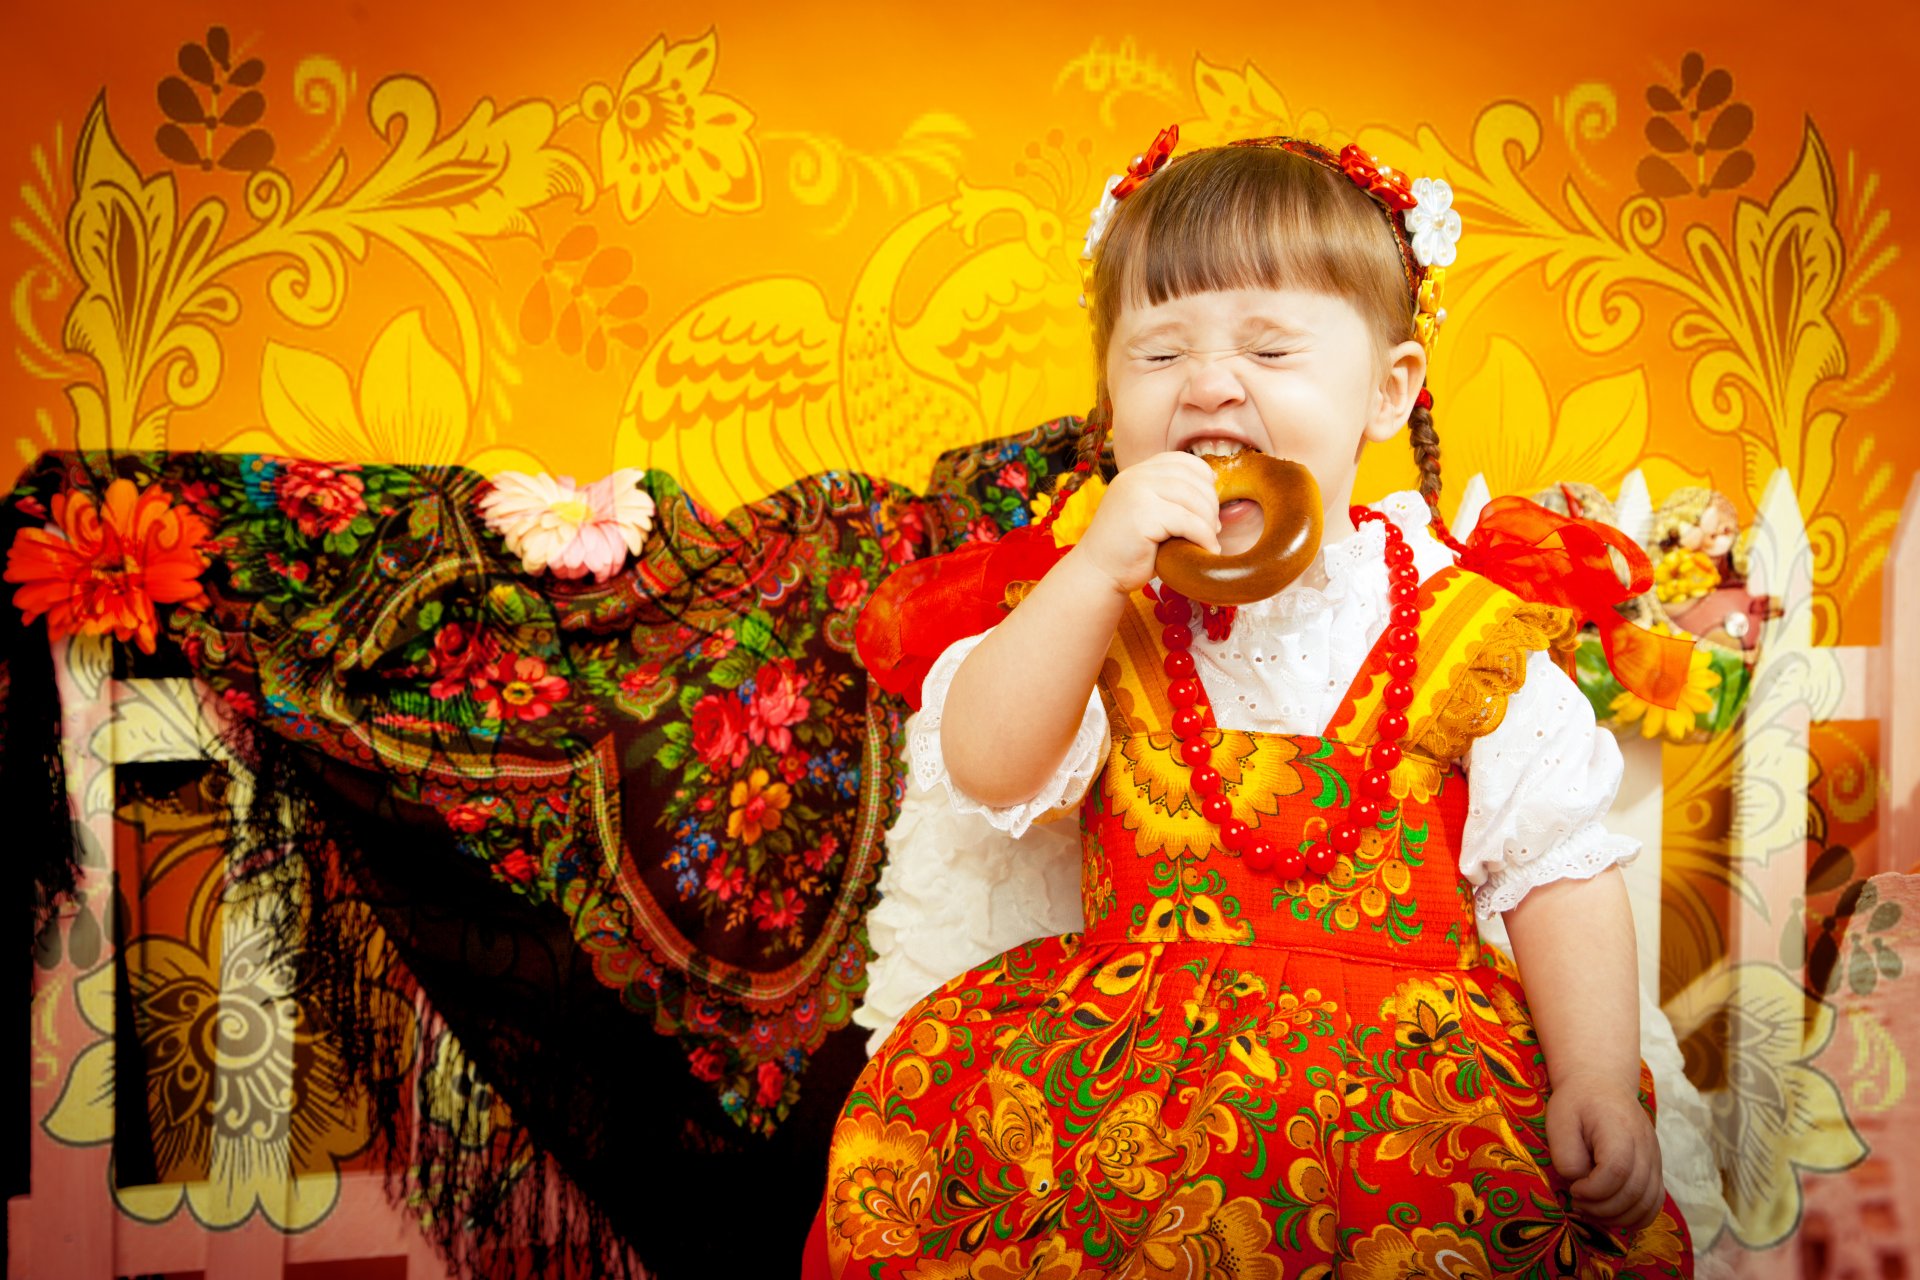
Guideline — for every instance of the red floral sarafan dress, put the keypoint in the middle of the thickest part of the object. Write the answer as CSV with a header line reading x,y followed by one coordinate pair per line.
x,y
1231,1075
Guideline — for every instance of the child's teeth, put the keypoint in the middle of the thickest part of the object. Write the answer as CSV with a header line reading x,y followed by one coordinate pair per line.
x,y
1215,448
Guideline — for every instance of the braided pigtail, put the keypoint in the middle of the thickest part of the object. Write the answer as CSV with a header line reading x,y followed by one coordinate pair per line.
x,y
1094,436
1089,459
1426,455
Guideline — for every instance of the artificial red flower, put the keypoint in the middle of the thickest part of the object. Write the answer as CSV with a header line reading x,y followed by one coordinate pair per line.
x,y
640,679
726,882
906,527
720,731
983,529
1150,163
198,494
518,688
776,908
793,767
1389,184
823,853
518,866
1014,476
101,569
297,570
243,702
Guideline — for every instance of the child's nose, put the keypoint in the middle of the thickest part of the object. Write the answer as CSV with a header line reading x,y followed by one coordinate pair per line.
x,y
1211,384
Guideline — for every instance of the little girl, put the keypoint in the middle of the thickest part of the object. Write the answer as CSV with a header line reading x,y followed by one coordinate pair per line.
x,y
1278,1048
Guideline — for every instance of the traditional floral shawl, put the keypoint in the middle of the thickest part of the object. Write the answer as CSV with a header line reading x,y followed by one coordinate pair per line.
x,y
622,836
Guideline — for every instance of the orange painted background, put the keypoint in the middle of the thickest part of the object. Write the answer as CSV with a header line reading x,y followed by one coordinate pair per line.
x,y
930,174
741,242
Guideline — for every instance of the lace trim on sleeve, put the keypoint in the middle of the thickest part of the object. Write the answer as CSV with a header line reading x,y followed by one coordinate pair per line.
x,y
1581,856
1067,785
1477,702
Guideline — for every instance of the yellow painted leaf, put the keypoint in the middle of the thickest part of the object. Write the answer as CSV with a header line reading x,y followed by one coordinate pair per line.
x,y
477,182
1600,431
1665,474
155,1203
82,1116
1503,422
308,402
413,404
94,994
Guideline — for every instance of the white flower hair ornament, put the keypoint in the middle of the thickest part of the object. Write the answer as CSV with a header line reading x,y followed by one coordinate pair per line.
x,y
1433,224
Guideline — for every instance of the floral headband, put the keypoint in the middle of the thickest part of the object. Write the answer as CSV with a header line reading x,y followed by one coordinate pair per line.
x,y
1425,225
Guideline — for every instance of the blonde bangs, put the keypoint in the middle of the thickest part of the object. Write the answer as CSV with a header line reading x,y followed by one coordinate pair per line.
x,y
1250,218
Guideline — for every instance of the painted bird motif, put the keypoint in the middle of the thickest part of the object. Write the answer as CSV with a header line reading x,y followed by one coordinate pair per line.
x,y
762,383
1016,1127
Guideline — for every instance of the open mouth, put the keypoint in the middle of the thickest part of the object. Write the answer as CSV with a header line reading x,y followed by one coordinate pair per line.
x,y
1215,447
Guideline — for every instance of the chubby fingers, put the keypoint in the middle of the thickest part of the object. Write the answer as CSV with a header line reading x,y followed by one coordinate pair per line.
x,y
1611,1168
1624,1187
1567,1143
1186,485
1190,478
1170,519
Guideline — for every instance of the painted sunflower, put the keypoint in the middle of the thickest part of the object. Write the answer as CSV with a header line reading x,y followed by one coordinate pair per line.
x,y
1675,722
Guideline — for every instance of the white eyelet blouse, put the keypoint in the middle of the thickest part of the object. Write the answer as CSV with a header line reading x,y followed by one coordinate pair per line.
x,y
1539,783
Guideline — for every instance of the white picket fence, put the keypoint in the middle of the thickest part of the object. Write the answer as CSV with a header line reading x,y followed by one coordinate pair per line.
x,y
1795,685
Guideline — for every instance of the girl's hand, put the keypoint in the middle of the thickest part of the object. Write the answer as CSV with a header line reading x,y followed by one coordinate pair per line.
x,y
1169,495
1603,1144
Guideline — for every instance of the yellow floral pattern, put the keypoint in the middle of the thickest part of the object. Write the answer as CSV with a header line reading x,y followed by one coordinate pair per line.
x,y
1155,801
230,1054
664,130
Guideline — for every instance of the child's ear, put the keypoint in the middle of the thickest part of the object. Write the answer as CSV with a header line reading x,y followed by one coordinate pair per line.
x,y
1406,373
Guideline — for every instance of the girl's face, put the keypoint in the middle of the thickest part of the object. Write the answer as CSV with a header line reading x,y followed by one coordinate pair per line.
x,y
1288,372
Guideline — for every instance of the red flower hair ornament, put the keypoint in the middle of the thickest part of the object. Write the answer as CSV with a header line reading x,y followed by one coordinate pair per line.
x,y
1148,163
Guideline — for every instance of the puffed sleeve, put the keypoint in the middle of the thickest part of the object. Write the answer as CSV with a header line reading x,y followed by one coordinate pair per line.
x,y
1538,787
1067,785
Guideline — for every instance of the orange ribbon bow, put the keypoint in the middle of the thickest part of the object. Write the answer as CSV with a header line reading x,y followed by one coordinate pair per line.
x,y
1548,558
923,607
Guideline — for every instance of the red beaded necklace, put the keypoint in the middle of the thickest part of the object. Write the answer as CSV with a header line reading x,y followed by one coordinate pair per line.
x,y
1193,717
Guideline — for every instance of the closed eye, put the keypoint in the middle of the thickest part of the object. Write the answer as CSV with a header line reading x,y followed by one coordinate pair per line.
x,y
1264,355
